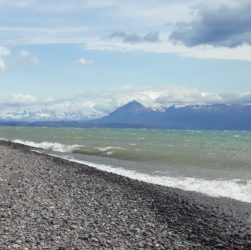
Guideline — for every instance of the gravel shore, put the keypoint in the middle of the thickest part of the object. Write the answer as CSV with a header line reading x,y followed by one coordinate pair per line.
x,y
50,203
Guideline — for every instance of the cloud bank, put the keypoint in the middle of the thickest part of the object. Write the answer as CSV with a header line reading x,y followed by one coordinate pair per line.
x,y
215,29
93,105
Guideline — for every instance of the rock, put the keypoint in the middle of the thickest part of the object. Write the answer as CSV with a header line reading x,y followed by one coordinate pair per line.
x,y
50,203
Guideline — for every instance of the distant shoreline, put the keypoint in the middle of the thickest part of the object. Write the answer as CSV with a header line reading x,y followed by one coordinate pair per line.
x,y
66,204
72,124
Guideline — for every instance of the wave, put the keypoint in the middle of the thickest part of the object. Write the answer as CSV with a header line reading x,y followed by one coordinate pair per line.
x,y
109,151
52,146
119,153
233,189
115,152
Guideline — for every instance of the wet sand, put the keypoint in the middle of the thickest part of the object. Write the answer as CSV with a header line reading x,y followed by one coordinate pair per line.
x,y
50,203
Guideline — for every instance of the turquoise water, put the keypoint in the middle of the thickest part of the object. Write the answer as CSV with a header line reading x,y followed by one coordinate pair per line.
x,y
186,159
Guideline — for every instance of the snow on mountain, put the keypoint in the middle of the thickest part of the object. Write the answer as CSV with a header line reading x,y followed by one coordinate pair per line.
x,y
43,115
134,114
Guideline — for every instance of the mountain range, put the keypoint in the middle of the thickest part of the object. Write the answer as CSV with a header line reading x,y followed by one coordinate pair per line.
x,y
42,115
136,115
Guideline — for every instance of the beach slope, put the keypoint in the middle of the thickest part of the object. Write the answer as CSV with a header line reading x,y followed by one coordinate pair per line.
x,y
50,203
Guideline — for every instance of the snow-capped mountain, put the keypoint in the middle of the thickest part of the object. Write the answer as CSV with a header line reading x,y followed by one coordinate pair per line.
x,y
215,116
43,115
134,114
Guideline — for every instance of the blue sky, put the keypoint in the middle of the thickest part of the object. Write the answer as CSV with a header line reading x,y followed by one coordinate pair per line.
x,y
95,55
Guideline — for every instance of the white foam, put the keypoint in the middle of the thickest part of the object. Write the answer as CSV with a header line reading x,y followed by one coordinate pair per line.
x,y
109,153
109,148
53,146
141,138
234,189
216,188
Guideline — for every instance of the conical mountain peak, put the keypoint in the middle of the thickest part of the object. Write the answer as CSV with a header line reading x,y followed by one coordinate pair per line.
x,y
132,107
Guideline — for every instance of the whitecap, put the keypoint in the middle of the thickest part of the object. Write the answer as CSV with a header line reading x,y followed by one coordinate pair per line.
x,y
233,189
53,146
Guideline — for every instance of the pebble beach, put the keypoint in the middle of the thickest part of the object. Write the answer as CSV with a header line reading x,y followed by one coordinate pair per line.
x,y
50,203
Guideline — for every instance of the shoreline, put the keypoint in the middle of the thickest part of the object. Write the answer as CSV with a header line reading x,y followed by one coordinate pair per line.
x,y
152,216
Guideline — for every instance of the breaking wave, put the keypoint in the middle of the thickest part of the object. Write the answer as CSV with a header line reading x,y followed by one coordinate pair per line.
x,y
53,146
114,152
233,189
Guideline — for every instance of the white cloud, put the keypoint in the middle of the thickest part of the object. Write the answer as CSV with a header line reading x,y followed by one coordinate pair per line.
x,y
57,6
24,35
3,66
130,17
25,56
107,101
130,8
3,53
164,46
82,61
19,100
242,53
93,105
161,96
22,57
156,12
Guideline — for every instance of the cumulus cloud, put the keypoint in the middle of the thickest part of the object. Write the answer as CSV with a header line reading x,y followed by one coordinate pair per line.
x,y
83,61
151,37
218,23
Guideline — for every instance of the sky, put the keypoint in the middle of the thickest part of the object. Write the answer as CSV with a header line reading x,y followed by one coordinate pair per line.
x,y
95,55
